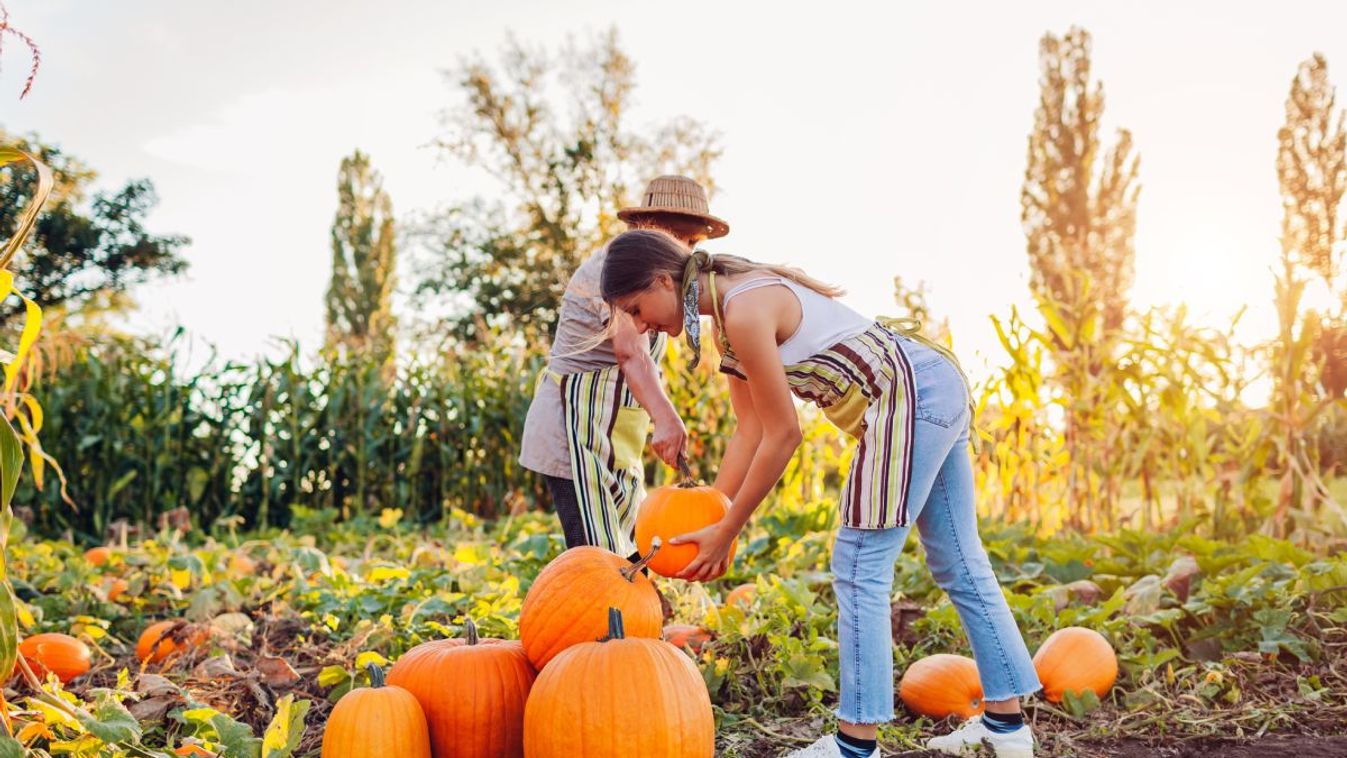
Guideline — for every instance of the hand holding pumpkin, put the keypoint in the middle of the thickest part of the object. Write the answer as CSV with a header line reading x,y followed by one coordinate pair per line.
x,y
715,550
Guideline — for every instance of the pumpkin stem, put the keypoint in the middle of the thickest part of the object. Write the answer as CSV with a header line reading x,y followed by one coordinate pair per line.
x,y
615,630
376,676
629,573
685,471
472,631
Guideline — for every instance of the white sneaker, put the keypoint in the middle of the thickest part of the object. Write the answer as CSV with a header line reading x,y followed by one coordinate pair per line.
x,y
967,739
825,747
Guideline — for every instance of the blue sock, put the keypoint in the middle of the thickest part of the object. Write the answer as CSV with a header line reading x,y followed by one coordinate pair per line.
x,y
1002,723
855,747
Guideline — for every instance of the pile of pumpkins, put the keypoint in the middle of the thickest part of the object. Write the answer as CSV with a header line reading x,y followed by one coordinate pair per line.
x,y
1074,659
589,675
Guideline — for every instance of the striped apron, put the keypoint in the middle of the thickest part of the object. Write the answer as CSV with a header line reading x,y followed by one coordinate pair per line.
x,y
606,431
865,386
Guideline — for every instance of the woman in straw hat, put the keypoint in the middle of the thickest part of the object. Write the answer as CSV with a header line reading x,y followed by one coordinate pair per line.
x,y
591,409
906,402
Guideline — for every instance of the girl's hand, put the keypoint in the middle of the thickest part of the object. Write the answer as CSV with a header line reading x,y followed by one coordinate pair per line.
x,y
713,553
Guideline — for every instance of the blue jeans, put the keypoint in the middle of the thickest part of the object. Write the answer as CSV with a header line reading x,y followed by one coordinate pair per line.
x,y
942,506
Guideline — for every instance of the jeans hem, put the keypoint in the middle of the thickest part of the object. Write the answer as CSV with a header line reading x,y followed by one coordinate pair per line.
x,y
1013,695
865,721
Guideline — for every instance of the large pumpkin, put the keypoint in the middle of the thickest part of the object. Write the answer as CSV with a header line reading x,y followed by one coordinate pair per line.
x,y
1075,659
569,601
472,692
942,685
376,720
164,638
61,654
673,511
98,556
619,697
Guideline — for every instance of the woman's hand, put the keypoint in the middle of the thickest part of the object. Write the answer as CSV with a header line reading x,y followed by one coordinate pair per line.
x,y
670,438
713,552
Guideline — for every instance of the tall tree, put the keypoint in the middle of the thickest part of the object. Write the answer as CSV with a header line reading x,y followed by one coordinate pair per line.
x,y
553,131
1078,206
1312,174
364,256
82,248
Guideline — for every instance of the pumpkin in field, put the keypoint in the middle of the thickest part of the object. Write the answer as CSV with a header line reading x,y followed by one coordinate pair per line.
x,y
195,751
1075,659
376,720
641,697
472,692
164,638
741,597
674,511
686,635
942,685
114,587
241,565
569,601
61,654
98,556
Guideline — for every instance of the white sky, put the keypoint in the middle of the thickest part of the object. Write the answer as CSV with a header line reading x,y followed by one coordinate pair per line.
x,y
862,141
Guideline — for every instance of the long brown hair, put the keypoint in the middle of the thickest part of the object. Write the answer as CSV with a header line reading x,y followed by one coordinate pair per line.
x,y
636,258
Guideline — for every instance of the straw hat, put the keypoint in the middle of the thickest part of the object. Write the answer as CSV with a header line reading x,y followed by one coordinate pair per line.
x,y
678,196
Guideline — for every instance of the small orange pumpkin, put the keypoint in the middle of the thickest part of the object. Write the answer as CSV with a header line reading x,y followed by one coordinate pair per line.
x,y
671,512
641,697
376,720
164,638
472,692
98,556
568,602
114,587
1075,659
742,597
942,685
194,751
61,654
241,565
686,635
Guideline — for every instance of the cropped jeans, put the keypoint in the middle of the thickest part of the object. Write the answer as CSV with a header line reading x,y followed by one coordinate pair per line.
x,y
941,504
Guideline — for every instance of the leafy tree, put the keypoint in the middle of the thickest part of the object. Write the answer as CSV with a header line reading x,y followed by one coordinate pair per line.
x,y
1312,173
82,248
1078,204
364,256
553,131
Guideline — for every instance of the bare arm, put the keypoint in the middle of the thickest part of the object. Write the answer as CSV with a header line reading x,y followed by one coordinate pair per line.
x,y
743,443
638,367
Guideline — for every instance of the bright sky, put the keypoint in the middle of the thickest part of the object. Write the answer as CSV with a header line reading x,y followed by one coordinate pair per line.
x,y
862,141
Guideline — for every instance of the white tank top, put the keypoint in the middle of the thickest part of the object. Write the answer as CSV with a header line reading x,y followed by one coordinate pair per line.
x,y
824,322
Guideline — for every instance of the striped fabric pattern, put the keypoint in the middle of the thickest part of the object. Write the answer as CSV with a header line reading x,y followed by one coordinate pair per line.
x,y
873,363
608,494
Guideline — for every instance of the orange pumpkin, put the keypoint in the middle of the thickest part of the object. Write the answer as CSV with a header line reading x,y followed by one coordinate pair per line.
x,y
98,556
376,720
686,635
568,602
741,597
61,654
1075,659
195,751
164,638
674,511
942,685
641,697
472,692
114,587
241,565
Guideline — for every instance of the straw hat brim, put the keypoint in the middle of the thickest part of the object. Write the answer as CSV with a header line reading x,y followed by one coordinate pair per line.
x,y
714,226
